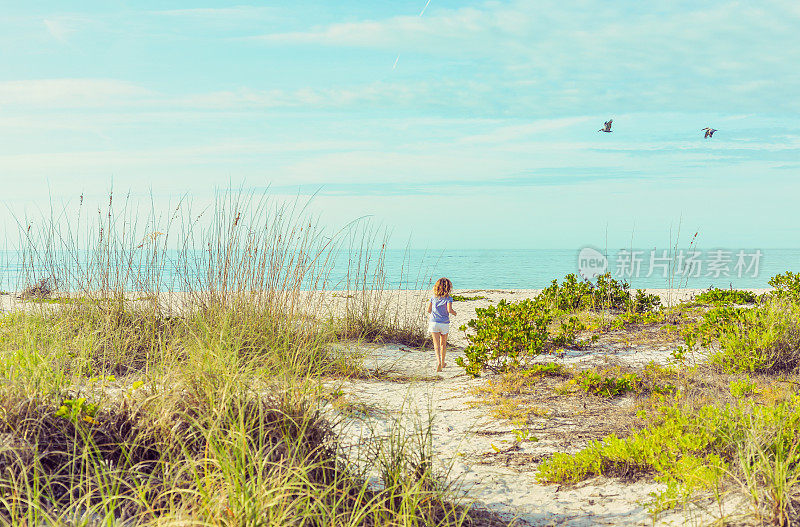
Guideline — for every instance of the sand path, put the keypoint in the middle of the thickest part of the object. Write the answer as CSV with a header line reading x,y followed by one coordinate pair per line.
x,y
488,465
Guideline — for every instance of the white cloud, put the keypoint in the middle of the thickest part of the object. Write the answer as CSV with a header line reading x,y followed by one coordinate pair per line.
x,y
519,132
598,55
403,31
222,18
65,93
420,95
242,11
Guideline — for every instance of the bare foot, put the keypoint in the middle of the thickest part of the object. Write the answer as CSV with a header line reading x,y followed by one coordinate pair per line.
x,y
444,365
439,368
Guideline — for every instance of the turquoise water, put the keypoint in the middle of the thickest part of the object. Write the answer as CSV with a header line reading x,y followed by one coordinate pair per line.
x,y
523,269
535,269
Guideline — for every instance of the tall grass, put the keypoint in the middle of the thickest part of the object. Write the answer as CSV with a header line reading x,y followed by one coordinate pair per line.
x,y
172,379
370,311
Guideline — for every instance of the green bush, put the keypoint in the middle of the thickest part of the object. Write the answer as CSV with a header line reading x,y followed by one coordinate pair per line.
x,y
762,339
692,450
726,296
614,381
505,335
628,318
508,334
644,302
786,285
461,298
676,433
608,386
568,333
568,296
742,387
605,293
548,368
713,323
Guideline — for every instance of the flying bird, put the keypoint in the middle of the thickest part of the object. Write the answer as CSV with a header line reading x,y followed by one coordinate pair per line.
x,y
709,132
606,126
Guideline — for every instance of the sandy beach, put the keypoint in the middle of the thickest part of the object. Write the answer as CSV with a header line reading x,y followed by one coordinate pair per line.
x,y
480,453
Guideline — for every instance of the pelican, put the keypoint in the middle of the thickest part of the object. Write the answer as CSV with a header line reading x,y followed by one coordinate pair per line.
x,y
709,132
606,126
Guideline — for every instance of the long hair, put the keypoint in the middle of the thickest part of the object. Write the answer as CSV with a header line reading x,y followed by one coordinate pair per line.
x,y
443,287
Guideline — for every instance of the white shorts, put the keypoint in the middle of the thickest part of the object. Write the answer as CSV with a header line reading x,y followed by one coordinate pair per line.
x,y
438,327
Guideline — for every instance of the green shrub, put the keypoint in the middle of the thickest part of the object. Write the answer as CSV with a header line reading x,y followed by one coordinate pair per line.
x,y
505,335
762,339
508,334
460,298
568,333
644,302
726,296
549,368
608,386
628,318
786,285
568,296
742,387
693,450
605,293
676,433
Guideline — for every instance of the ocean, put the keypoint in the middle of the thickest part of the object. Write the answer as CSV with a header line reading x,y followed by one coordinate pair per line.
x,y
641,268
529,268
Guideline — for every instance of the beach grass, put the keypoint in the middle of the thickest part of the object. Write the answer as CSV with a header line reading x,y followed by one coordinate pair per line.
x,y
128,399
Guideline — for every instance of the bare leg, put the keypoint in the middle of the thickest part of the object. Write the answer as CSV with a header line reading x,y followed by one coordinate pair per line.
x,y
436,336
443,348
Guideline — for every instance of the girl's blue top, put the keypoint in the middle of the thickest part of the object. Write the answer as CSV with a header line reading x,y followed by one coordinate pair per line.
x,y
439,312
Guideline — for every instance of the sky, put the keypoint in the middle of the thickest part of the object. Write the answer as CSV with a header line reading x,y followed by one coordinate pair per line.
x,y
455,125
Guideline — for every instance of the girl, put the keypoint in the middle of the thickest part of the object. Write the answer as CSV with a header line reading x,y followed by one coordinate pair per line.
x,y
440,308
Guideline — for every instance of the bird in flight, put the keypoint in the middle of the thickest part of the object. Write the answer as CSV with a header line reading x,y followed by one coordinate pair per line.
x,y
606,126
709,132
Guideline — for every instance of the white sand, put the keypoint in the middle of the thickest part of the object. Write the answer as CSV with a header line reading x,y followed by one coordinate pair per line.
x,y
473,445
477,448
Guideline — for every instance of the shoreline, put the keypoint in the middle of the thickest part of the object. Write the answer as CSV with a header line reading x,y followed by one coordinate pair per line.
x,y
668,297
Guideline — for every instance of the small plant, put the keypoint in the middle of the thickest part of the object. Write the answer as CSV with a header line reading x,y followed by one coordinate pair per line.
x,y
567,335
611,386
77,410
716,296
678,355
102,380
549,368
644,302
522,435
460,298
743,387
